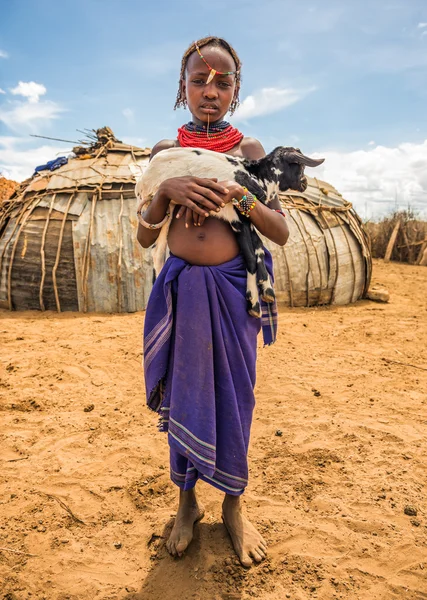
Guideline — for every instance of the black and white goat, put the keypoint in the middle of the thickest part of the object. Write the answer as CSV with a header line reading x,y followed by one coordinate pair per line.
x,y
280,170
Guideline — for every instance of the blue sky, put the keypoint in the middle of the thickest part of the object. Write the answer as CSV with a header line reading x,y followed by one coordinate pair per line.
x,y
345,80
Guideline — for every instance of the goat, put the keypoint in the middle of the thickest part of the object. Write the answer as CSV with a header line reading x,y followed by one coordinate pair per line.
x,y
280,170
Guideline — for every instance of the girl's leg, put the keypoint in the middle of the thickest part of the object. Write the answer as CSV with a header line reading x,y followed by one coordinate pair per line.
x,y
247,541
189,512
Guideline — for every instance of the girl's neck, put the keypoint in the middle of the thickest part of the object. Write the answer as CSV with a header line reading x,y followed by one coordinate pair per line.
x,y
197,121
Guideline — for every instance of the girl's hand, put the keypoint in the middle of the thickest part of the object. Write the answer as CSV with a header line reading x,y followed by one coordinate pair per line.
x,y
231,190
195,193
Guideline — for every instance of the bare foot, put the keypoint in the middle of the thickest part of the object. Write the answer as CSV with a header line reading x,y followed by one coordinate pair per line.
x,y
247,541
189,512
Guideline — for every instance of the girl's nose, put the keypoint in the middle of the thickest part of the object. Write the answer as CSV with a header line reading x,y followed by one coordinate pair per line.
x,y
210,91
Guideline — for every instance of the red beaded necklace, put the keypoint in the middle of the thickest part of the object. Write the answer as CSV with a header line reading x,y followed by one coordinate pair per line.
x,y
220,138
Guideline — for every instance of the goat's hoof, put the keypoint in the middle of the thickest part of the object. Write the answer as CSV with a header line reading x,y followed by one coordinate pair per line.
x,y
255,310
268,295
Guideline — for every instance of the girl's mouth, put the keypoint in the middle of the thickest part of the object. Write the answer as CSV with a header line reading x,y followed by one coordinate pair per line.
x,y
208,109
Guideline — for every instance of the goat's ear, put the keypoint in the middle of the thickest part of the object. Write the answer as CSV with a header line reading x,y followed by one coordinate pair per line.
x,y
295,156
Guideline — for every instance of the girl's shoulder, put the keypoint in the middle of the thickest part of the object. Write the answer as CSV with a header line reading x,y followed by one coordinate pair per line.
x,y
251,148
162,145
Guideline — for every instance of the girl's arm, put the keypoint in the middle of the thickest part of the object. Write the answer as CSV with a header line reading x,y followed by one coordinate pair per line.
x,y
198,194
265,218
269,223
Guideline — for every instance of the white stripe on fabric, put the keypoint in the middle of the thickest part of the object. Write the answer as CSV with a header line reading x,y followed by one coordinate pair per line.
x,y
192,435
202,458
231,476
161,323
227,487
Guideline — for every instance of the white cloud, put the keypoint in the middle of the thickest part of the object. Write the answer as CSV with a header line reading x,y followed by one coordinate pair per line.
x,y
28,115
267,101
2,91
3,54
371,143
379,179
18,162
421,25
30,90
128,114
32,114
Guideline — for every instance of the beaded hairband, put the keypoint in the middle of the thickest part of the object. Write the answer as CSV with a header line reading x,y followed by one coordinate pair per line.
x,y
213,71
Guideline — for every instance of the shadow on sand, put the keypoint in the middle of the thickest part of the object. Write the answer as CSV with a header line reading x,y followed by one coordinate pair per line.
x,y
209,569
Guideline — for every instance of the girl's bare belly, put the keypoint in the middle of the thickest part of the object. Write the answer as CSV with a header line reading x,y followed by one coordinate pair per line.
x,y
211,244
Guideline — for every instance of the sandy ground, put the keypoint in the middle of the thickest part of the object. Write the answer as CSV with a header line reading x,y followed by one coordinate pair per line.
x,y
337,457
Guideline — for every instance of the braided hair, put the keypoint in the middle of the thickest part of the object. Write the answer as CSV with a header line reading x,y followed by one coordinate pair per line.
x,y
209,41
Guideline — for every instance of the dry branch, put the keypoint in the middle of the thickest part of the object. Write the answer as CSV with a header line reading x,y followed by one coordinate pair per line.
x,y
64,506
391,242
397,362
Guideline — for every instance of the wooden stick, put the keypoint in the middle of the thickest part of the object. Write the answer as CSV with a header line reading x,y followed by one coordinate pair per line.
x,y
17,552
397,362
307,277
421,252
42,255
391,242
337,264
86,258
316,253
12,256
58,253
64,506
119,260
353,268
18,221
413,243
410,250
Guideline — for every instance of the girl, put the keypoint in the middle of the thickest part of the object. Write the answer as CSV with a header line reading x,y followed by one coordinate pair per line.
x,y
199,340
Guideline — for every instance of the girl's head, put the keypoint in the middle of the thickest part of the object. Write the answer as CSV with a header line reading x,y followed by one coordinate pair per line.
x,y
209,100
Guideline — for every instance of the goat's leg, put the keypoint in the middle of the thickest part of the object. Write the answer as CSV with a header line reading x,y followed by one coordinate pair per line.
x,y
243,236
263,278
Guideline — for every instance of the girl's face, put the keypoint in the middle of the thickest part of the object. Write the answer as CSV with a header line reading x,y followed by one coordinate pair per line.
x,y
209,101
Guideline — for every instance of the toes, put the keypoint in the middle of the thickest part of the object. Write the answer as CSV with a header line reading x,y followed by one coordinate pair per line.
x,y
261,551
171,548
246,560
181,547
256,556
263,546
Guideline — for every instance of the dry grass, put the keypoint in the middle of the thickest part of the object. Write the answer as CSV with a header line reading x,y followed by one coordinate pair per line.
x,y
409,240
7,187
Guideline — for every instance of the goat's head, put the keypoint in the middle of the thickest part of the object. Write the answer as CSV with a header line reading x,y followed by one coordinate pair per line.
x,y
288,165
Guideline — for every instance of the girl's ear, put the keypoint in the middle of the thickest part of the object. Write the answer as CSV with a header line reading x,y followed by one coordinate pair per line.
x,y
183,90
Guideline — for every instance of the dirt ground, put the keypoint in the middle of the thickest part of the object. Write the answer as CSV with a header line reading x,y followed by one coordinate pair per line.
x,y
337,460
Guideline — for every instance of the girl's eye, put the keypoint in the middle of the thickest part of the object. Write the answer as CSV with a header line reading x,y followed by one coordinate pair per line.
x,y
198,81
224,84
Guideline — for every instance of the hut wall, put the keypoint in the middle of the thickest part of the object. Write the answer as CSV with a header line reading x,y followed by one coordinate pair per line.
x,y
114,273
24,279
321,263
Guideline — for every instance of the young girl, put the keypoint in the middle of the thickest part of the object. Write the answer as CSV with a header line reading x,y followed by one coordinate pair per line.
x,y
199,340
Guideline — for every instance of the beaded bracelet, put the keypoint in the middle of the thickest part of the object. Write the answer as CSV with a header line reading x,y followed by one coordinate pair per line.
x,y
246,203
150,225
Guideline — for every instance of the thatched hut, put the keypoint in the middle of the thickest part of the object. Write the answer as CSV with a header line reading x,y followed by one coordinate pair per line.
x,y
68,239
327,259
